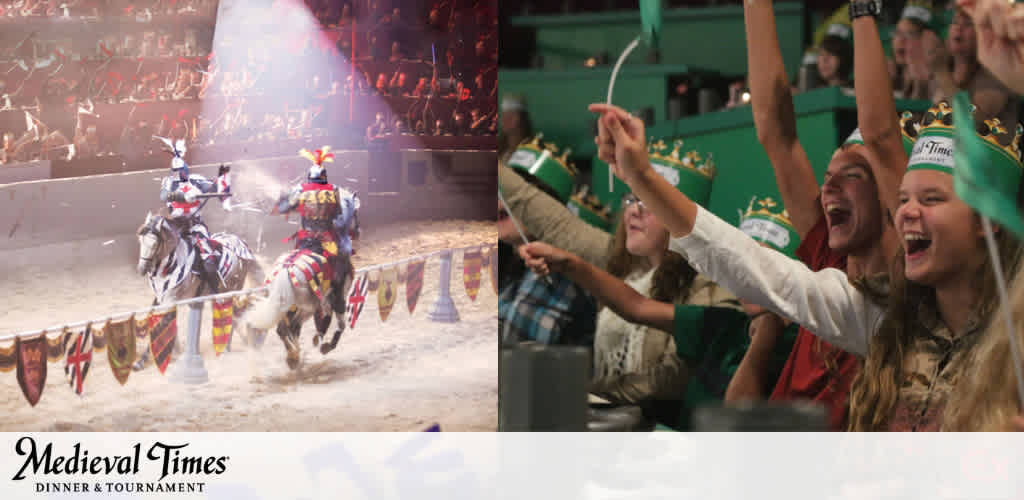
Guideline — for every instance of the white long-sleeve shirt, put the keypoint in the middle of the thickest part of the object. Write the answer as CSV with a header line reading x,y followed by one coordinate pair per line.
x,y
823,302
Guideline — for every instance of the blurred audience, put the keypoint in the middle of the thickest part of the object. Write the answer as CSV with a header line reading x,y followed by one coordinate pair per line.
x,y
93,89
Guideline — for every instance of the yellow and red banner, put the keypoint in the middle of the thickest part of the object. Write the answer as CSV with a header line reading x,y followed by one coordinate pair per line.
x,y
386,292
223,324
471,272
8,357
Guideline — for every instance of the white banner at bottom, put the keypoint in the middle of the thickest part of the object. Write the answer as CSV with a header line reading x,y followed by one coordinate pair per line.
x,y
449,466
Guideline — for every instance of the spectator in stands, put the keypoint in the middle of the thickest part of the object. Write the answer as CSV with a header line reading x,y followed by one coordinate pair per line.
x,y
914,39
835,57
460,126
515,125
346,15
552,311
956,67
730,355
421,89
987,399
633,364
376,129
399,127
477,122
7,153
396,52
397,85
381,88
841,224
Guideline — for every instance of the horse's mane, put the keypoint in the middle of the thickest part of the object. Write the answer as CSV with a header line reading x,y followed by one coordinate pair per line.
x,y
163,213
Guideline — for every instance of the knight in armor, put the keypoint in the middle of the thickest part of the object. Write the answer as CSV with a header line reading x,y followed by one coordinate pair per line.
x,y
181,191
329,218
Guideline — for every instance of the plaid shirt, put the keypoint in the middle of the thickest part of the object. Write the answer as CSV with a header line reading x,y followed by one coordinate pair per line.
x,y
532,310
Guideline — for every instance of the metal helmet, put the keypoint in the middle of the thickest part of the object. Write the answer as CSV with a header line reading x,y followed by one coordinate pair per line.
x,y
177,151
317,171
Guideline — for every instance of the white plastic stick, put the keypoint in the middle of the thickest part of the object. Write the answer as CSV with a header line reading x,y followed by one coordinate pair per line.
x,y
1004,298
512,218
611,85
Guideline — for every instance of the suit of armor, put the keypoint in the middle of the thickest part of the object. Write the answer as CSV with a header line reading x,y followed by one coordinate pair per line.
x,y
328,214
180,191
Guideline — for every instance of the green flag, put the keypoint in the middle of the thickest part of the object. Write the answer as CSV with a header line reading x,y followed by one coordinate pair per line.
x,y
987,175
650,16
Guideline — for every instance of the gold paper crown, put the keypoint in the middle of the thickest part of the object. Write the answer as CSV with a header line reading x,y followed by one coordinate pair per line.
x,y
938,117
995,133
585,198
537,144
691,160
910,125
764,210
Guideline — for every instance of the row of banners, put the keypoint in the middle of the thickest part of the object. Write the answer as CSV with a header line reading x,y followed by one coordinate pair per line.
x,y
120,339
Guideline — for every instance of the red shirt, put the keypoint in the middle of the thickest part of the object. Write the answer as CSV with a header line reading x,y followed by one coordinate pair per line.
x,y
806,374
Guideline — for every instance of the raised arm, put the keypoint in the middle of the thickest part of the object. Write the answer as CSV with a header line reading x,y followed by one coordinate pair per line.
x,y
548,220
825,302
621,145
775,118
876,110
753,374
611,291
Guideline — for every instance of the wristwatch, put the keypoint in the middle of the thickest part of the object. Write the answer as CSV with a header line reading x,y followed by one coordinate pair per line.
x,y
861,8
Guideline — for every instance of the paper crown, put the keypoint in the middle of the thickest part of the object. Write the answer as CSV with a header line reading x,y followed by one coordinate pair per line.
x,y
988,166
513,103
768,222
923,12
690,172
906,121
587,207
539,160
840,30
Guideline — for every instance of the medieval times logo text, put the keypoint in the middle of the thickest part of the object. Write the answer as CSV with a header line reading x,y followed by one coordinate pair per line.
x,y
51,470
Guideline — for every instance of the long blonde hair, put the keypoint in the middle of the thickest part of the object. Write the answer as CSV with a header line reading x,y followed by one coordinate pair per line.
x,y
875,390
986,398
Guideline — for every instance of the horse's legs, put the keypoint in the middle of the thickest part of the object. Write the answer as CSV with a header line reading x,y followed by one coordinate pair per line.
x,y
323,322
288,329
327,347
339,311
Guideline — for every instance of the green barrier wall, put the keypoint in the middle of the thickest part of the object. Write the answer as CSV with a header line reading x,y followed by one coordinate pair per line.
x,y
711,38
557,100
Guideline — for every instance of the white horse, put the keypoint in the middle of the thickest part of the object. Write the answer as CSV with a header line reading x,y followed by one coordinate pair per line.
x,y
168,261
300,289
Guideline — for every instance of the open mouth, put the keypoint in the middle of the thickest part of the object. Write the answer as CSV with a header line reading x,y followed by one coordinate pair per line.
x,y
502,214
837,216
916,244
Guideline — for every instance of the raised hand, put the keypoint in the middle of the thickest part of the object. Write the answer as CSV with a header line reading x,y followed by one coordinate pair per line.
x,y
1000,30
620,141
544,259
